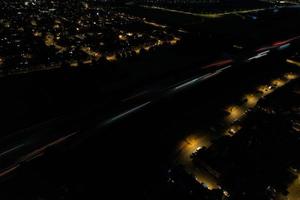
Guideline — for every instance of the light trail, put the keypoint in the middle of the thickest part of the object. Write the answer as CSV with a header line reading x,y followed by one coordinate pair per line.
x,y
124,114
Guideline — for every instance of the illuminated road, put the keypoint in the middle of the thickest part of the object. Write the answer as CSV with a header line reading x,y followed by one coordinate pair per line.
x,y
213,15
200,139
189,145
237,112
294,189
